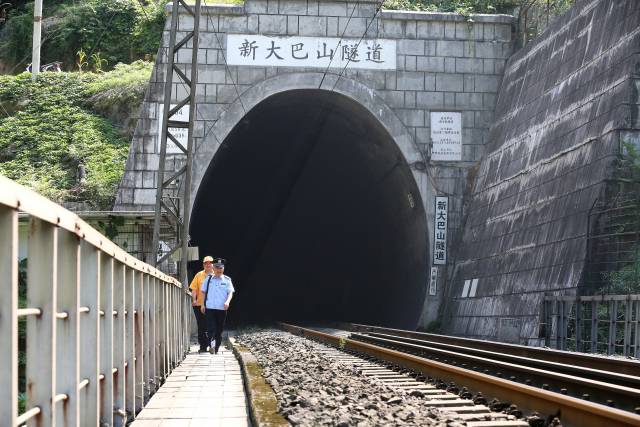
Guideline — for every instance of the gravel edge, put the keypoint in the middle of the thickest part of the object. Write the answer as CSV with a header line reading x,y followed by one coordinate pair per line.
x,y
262,401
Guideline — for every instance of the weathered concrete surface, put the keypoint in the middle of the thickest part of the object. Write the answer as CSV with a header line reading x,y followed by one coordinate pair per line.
x,y
444,64
565,101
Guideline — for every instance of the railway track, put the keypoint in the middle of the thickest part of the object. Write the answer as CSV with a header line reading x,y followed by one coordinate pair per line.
x,y
622,366
512,386
464,408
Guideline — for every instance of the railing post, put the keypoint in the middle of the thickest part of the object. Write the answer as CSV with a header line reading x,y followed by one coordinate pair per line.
x,y
107,349
68,328
147,344
174,328
153,327
41,331
627,326
170,324
636,335
9,315
579,324
186,331
179,318
130,381
594,326
613,314
90,278
140,333
119,405
562,324
169,327
162,331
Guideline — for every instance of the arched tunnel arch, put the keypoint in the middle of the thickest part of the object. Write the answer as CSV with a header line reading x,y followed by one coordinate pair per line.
x,y
317,212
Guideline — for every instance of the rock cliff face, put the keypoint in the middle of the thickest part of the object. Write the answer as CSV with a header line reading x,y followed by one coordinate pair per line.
x,y
566,103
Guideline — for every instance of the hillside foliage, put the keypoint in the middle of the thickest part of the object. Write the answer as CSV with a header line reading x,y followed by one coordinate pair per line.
x,y
113,31
52,138
107,31
459,6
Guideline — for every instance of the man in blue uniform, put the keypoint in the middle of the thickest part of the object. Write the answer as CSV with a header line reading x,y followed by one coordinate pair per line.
x,y
217,292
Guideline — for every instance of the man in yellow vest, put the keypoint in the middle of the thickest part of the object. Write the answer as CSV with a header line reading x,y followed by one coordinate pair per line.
x,y
197,302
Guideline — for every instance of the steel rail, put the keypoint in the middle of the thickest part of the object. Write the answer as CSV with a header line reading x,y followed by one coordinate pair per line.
x,y
570,410
624,397
611,377
622,366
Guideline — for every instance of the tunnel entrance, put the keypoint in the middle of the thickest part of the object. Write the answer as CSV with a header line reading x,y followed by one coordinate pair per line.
x,y
317,213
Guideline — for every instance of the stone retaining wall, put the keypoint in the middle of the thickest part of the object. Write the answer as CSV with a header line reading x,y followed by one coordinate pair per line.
x,y
565,101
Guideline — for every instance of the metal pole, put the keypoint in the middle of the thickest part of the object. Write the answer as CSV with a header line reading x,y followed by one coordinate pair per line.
x,y
163,137
37,27
190,147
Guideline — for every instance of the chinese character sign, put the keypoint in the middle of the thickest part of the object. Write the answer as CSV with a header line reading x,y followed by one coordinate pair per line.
x,y
433,281
440,231
321,52
446,136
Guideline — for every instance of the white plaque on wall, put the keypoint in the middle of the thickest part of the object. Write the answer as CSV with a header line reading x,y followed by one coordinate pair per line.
x,y
320,52
433,281
181,134
446,136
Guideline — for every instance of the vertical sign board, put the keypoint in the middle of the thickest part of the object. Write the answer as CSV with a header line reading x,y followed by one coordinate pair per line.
x,y
181,134
440,231
433,282
446,136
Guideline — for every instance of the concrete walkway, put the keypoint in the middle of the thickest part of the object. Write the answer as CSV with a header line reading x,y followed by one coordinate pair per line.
x,y
205,390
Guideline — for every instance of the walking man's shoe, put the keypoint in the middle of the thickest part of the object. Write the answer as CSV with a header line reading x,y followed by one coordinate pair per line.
x,y
212,349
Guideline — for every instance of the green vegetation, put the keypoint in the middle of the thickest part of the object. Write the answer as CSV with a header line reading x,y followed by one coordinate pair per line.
x,y
107,31
464,7
113,31
625,279
53,140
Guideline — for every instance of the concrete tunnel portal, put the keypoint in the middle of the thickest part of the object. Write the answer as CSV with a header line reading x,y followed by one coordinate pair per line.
x,y
318,215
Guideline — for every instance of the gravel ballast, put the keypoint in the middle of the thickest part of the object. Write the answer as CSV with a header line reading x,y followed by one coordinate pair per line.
x,y
312,389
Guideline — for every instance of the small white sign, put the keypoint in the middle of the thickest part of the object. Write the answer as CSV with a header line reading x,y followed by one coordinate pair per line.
x,y
474,288
465,289
320,52
440,231
181,134
433,281
446,136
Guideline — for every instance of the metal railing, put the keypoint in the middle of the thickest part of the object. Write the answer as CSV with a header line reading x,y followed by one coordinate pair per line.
x,y
608,324
103,329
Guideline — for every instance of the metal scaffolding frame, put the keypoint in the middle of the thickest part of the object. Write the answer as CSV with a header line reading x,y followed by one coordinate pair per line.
x,y
173,196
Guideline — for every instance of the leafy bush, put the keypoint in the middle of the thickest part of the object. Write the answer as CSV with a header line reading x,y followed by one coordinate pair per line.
x,y
125,85
51,138
459,6
114,30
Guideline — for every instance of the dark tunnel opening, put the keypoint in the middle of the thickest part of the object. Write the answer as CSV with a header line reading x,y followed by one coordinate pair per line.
x,y
317,213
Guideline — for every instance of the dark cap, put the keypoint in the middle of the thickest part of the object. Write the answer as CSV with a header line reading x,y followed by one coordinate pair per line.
x,y
218,262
